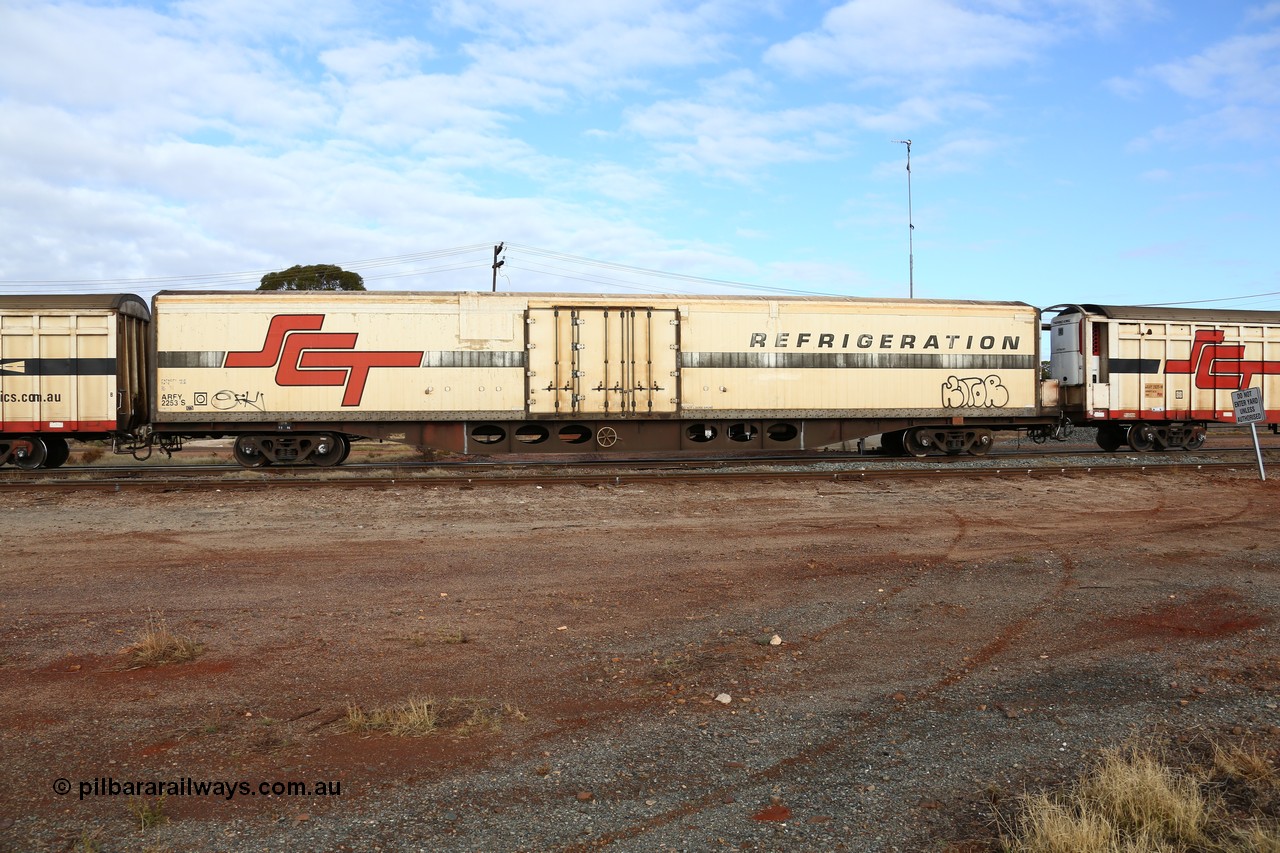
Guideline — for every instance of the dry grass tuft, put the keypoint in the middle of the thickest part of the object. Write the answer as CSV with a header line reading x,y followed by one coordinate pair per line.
x,y
1247,767
159,645
415,718
480,721
418,717
1253,839
1143,797
91,453
91,841
449,637
1050,825
1135,800
148,813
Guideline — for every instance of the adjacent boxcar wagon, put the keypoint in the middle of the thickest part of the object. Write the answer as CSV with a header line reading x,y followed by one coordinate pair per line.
x,y
1153,378
296,376
70,367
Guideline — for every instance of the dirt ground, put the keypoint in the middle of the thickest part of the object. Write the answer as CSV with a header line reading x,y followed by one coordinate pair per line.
x,y
783,666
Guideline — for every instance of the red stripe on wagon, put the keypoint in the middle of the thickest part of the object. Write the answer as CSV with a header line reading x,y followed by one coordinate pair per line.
x,y
66,426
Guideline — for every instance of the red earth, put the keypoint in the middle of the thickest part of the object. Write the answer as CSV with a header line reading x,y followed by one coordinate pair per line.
x,y
568,626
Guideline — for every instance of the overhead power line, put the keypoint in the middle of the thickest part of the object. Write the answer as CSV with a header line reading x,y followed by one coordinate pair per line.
x,y
518,257
251,276
1207,301
577,260
525,268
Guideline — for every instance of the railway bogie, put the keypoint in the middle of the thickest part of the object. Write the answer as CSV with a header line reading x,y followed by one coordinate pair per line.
x,y
1145,437
254,450
926,441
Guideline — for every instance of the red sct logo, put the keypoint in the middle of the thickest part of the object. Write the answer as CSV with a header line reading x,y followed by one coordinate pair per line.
x,y
1219,365
303,355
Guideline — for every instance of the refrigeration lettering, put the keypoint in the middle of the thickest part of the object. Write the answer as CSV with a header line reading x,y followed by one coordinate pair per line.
x,y
883,341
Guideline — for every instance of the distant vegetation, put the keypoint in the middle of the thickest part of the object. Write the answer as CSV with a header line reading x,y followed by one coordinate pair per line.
x,y
314,277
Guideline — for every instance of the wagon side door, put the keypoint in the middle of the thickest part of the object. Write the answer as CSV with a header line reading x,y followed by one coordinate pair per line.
x,y
602,361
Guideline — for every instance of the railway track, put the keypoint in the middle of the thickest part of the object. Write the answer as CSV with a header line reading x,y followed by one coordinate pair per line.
x,y
831,467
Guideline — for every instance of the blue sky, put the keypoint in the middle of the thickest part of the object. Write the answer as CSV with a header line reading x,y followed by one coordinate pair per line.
x,y
1114,151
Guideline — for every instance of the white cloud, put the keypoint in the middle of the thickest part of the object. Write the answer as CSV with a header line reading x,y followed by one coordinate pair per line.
x,y
924,39
1267,12
148,71
299,21
1234,123
920,111
732,135
1237,82
588,47
1129,88
839,279
738,142
1105,16
1240,69
953,155
618,183
376,59
1161,250
542,20
405,111
150,138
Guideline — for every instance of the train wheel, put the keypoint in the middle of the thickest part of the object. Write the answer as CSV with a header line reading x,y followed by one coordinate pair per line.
x,y
982,444
1142,438
917,442
1110,437
59,453
246,452
30,452
330,450
1195,438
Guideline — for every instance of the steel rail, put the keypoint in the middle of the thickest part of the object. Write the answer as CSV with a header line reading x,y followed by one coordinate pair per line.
x,y
271,480
525,463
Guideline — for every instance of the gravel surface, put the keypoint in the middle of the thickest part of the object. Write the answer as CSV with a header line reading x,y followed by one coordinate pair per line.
x,y
873,666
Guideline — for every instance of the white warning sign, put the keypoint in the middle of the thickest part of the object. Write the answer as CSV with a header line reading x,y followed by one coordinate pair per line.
x,y
1248,406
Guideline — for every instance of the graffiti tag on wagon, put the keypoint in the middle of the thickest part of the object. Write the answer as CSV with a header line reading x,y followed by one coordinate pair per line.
x,y
974,392
225,400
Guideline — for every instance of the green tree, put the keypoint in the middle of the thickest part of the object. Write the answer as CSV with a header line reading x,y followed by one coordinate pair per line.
x,y
314,277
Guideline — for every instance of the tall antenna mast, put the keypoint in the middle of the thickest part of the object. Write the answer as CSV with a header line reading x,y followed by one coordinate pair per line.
x,y
911,228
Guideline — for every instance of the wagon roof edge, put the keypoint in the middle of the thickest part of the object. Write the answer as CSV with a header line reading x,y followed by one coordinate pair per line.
x,y
1168,314
124,303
